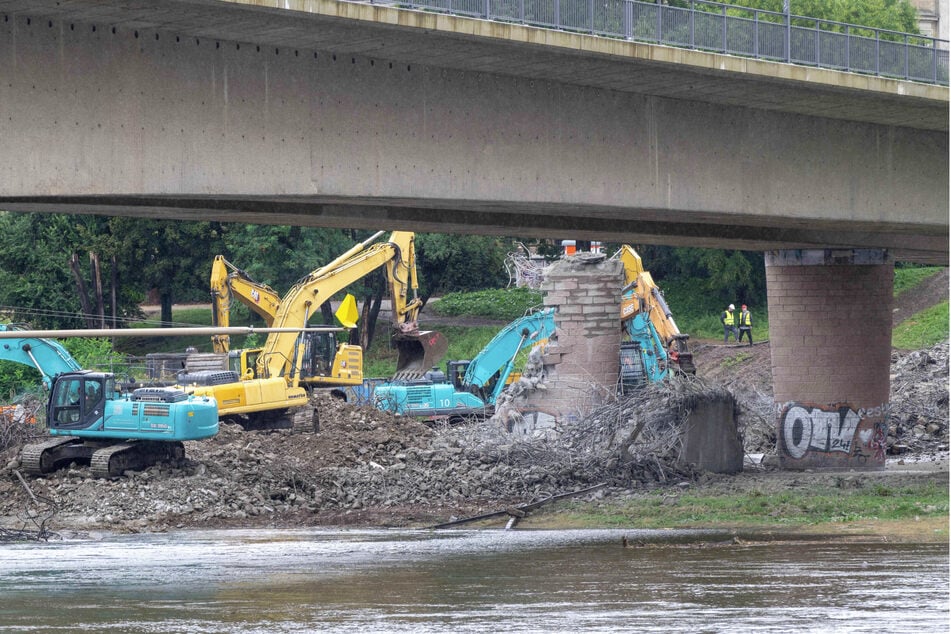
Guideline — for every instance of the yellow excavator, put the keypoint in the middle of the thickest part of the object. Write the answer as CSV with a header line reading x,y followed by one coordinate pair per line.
x,y
325,362
275,397
654,344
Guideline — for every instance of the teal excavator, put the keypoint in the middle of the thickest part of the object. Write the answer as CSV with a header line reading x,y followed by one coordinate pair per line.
x,y
652,348
92,421
468,388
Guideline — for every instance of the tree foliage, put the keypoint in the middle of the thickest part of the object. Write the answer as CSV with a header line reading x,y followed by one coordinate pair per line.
x,y
279,255
36,284
167,257
892,15
448,263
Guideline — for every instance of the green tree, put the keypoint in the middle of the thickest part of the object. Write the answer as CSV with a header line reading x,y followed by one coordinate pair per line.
x,y
728,275
279,255
37,283
172,257
454,263
893,15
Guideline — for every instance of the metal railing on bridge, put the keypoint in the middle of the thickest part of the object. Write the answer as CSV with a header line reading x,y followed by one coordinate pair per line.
x,y
722,28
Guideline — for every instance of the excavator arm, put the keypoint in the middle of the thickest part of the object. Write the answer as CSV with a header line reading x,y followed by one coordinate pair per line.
x,y
229,282
47,356
490,369
397,255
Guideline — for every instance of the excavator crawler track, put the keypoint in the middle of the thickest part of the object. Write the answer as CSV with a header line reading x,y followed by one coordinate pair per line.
x,y
306,420
114,460
49,455
264,421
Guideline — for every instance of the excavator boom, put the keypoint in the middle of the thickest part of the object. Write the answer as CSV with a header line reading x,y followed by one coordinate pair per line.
x,y
493,365
418,350
45,355
229,282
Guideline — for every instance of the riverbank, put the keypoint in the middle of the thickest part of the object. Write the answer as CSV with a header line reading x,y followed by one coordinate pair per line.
x,y
368,468
898,505
904,503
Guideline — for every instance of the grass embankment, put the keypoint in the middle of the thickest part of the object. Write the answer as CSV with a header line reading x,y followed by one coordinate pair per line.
x,y
916,510
697,311
923,329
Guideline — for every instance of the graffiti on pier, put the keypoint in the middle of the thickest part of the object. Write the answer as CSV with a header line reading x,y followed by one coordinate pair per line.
x,y
832,436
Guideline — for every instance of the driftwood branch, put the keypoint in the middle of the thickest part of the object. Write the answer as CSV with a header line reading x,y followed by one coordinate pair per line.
x,y
518,512
41,533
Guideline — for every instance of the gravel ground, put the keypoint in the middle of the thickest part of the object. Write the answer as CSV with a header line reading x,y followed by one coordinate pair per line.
x,y
365,467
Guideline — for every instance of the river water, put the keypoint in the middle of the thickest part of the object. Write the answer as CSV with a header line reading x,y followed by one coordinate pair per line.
x,y
260,581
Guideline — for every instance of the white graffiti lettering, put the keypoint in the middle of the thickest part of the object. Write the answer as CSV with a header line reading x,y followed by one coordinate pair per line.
x,y
881,411
812,428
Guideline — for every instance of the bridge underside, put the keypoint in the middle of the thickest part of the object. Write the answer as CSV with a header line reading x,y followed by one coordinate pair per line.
x,y
639,226
351,115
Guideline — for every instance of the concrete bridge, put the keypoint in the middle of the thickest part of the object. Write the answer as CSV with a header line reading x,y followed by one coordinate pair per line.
x,y
342,114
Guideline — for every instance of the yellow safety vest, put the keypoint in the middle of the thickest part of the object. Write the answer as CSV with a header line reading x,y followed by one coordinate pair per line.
x,y
745,319
728,319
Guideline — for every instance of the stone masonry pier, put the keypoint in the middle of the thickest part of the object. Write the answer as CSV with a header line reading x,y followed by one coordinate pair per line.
x,y
582,364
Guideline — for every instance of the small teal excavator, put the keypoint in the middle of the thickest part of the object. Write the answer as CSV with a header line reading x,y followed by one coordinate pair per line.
x,y
92,421
467,388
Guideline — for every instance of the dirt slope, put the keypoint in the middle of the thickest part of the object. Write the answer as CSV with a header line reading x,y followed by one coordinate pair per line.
x,y
932,290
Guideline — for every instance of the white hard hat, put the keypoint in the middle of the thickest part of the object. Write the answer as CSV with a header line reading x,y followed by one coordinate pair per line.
x,y
732,307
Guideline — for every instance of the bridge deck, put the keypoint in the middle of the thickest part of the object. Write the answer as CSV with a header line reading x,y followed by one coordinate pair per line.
x,y
524,51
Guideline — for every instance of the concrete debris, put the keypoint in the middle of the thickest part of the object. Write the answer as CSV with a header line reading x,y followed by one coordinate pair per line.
x,y
365,466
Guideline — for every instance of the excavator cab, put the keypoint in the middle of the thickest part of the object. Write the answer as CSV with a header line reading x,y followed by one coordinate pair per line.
x,y
77,400
456,371
418,351
319,351
244,362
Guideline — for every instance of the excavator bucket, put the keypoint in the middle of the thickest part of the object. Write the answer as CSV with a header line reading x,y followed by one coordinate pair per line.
x,y
419,352
680,356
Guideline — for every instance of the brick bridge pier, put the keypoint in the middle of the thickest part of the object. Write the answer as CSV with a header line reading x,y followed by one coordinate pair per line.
x,y
830,316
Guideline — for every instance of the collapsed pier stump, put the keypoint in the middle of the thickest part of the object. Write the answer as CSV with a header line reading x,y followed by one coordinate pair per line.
x,y
581,368
581,362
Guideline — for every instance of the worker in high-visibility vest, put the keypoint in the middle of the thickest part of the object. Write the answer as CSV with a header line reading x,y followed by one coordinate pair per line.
x,y
729,324
746,324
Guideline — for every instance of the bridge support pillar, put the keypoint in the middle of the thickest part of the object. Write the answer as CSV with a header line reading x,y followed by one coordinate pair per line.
x,y
830,315
582,361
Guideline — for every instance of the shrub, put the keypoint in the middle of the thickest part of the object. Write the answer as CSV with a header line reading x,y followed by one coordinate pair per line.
x,y
505,304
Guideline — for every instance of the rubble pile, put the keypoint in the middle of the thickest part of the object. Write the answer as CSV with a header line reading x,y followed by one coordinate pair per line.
x,y
918,408
918,416
365,466
361,459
